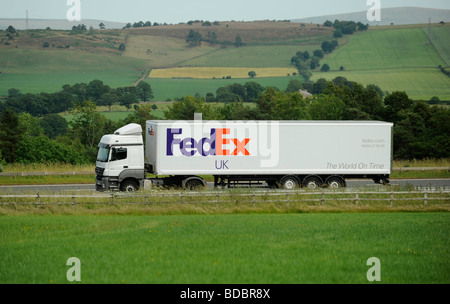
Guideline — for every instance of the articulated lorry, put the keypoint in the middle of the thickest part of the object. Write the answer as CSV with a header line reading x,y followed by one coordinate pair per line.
x,y
283,154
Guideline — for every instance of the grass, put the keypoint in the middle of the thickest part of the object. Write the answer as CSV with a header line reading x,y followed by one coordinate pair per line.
x,y
219,72
254,56
46,167
225,249
47,180
428,162
386,49
419,84
35,71
395,60
164,89
439,38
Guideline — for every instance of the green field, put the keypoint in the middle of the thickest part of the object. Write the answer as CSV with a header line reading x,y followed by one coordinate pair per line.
x,y
439,36
252,248
395,60
254,56
35,71
164,89
385,50
419,83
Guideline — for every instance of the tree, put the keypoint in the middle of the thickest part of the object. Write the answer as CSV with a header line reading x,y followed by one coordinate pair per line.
x,y
252,91
122,47
318,53
11,32
225,95
88,125
327,107
108,99
102,26
325,68
96,88
252,74
397,105
30,125
12,93
210,97
144,91
185,109
329,46
127,100
54,125
294,85
42,149
238,41
194,38
10,134
338,33
143,112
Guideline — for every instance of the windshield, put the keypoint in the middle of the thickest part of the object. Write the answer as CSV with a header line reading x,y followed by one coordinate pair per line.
x,y
103,153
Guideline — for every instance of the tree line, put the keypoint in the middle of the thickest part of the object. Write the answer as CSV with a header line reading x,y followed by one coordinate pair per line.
x,y
420,130
101,94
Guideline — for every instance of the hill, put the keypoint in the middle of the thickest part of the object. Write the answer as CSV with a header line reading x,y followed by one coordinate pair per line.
x,y
55,24
396,16
403,59
397,57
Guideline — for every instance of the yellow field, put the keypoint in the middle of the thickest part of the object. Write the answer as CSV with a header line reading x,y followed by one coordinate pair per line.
x,y
219,72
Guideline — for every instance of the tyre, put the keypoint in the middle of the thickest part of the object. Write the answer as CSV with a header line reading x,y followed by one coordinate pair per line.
x,y
129,186
312,182
289,182
335,182
194,184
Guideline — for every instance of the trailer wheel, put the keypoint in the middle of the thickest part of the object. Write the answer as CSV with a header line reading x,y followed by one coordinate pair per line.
x,y
289,182
129,186
312,182
194,184
335,182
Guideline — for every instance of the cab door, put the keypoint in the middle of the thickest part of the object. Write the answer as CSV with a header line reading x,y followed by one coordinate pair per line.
x,y
118,160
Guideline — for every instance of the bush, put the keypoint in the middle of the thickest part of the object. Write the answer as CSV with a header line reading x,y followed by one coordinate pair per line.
x,y
325,68
42,149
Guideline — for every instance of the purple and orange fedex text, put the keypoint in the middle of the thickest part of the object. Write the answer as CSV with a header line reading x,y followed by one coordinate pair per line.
x,y
218,144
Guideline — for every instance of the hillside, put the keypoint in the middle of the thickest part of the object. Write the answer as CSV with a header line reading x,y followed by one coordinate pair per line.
x,y
55,24
396,59
392,57
396,16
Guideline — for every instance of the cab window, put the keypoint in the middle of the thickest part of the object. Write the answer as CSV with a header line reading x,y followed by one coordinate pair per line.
x,y
118,154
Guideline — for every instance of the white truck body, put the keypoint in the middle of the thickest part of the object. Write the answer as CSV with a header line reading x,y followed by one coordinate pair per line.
x,y
272,147
278,153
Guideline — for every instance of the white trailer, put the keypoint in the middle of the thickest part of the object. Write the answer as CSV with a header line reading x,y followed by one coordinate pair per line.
x,y
285,154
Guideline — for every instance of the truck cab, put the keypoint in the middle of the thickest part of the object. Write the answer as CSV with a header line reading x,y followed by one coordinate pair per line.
x,y
120,160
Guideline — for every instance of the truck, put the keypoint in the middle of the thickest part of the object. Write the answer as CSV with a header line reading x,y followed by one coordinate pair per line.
x,y
276,154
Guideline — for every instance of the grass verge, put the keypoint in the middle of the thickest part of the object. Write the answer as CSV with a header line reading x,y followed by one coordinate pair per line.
x,y
225,249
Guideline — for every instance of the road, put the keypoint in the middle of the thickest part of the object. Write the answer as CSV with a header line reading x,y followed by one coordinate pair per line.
x,y
419,184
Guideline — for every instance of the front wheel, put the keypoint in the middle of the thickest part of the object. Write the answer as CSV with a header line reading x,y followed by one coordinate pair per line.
x,y
129,186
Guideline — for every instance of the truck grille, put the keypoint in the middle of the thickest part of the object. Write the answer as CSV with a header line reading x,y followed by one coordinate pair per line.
x,y
99,171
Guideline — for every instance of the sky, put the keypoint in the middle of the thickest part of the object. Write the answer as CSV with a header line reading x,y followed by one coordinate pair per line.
x,y
176,11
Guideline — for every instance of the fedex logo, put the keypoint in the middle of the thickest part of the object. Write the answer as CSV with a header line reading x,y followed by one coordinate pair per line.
x,y
218,144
